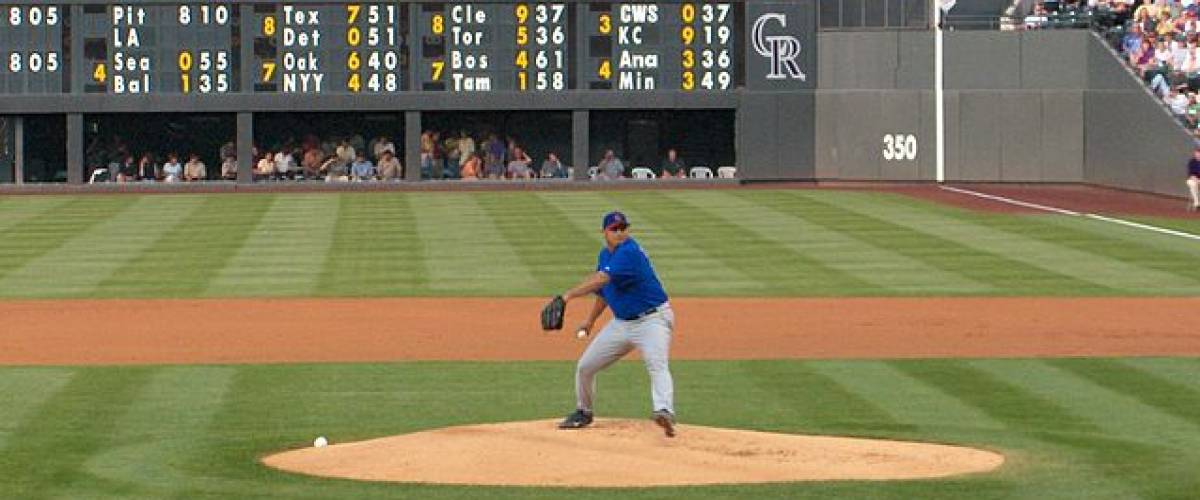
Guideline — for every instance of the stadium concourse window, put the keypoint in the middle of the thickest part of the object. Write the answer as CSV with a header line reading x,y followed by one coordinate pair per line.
x,y
329,147
156,147
495,145
873,14
42,146
644,138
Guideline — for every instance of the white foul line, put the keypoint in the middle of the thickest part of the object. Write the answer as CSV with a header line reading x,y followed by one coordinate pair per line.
x,y
1073,213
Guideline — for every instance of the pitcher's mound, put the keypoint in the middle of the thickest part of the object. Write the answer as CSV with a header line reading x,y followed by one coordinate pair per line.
x,y
626,453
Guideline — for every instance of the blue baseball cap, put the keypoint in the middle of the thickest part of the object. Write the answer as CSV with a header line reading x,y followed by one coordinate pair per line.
x,y
615,220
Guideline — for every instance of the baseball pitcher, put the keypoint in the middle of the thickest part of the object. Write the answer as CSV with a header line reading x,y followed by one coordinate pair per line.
x,y
625,282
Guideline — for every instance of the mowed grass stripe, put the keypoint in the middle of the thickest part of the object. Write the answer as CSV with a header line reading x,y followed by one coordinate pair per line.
x,y
1003,274
1112,413
1168,270
778,269
77,422
1182,371
1180,400
828,236
1176,247
683,268
793,392
15,209
375,248
162,429
464,252
25,390
1037,417
974,231
286,253
555,251
1130,433
185,259
908,400
78,266
47,230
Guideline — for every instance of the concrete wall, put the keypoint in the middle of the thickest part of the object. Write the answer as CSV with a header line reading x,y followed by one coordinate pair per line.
x,y
1132,141
1014,105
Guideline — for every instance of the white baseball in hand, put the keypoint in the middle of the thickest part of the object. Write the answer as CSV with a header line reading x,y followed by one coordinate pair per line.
x,y
581,334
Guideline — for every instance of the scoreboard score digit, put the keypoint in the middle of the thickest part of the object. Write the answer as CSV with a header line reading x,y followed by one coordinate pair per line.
x,y
481,47
31,47
186,48
669,46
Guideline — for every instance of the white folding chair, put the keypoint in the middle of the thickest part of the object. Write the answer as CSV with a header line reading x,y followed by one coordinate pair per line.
x,y
643,173
701,173
592,171
727,172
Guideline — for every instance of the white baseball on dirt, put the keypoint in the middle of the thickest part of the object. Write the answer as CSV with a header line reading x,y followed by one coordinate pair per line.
x,y
320,441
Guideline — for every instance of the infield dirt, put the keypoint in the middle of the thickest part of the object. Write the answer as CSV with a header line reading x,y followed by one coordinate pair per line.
x,y
73,332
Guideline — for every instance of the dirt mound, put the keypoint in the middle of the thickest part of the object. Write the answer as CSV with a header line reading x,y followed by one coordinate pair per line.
x,y
626,453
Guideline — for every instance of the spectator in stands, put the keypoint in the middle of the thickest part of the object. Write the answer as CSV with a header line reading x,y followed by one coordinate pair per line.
x,y
229,168
345,152
362,169
1193,179
310,163
518,164
146,170
265,169
1038,18
380,145
452,160
389,167
611,167
672,166
195,170
335,169
285,163
552,168
493,163
466,148
427,154
172,170
228,149
472,169
126,170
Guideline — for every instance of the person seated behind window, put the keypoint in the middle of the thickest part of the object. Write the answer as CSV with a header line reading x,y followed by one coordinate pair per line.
x,y
611,167
552,168
518,164
472,169
672,166
229,170
195,170
265,169
362,169
335,169
389,167
172,170
127,171
146,170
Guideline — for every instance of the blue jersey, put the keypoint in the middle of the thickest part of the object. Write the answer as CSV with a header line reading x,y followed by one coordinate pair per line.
x,y
633,288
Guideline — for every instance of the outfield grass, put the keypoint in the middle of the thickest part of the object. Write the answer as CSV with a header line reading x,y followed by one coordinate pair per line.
x,y
1078,428
704,243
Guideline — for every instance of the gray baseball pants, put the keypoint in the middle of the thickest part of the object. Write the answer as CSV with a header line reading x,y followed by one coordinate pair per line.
x,y
652,335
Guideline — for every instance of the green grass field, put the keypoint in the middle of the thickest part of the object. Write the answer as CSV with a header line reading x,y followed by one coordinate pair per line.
x,y
1071,428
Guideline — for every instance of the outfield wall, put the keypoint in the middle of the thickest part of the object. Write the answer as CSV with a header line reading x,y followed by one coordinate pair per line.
x,y
1036,106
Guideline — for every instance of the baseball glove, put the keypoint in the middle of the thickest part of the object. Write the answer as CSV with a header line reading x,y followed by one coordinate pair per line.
x,y
552,314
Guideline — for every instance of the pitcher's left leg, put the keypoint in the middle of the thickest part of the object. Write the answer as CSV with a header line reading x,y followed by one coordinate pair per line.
x,y
653,337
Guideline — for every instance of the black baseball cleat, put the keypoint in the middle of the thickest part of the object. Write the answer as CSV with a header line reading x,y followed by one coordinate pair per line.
x,y
576,420
665,420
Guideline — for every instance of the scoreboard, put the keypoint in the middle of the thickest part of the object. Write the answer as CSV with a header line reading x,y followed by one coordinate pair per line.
x,y
200,49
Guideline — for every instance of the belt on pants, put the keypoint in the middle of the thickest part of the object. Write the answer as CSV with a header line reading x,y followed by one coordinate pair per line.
x,y
645,313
